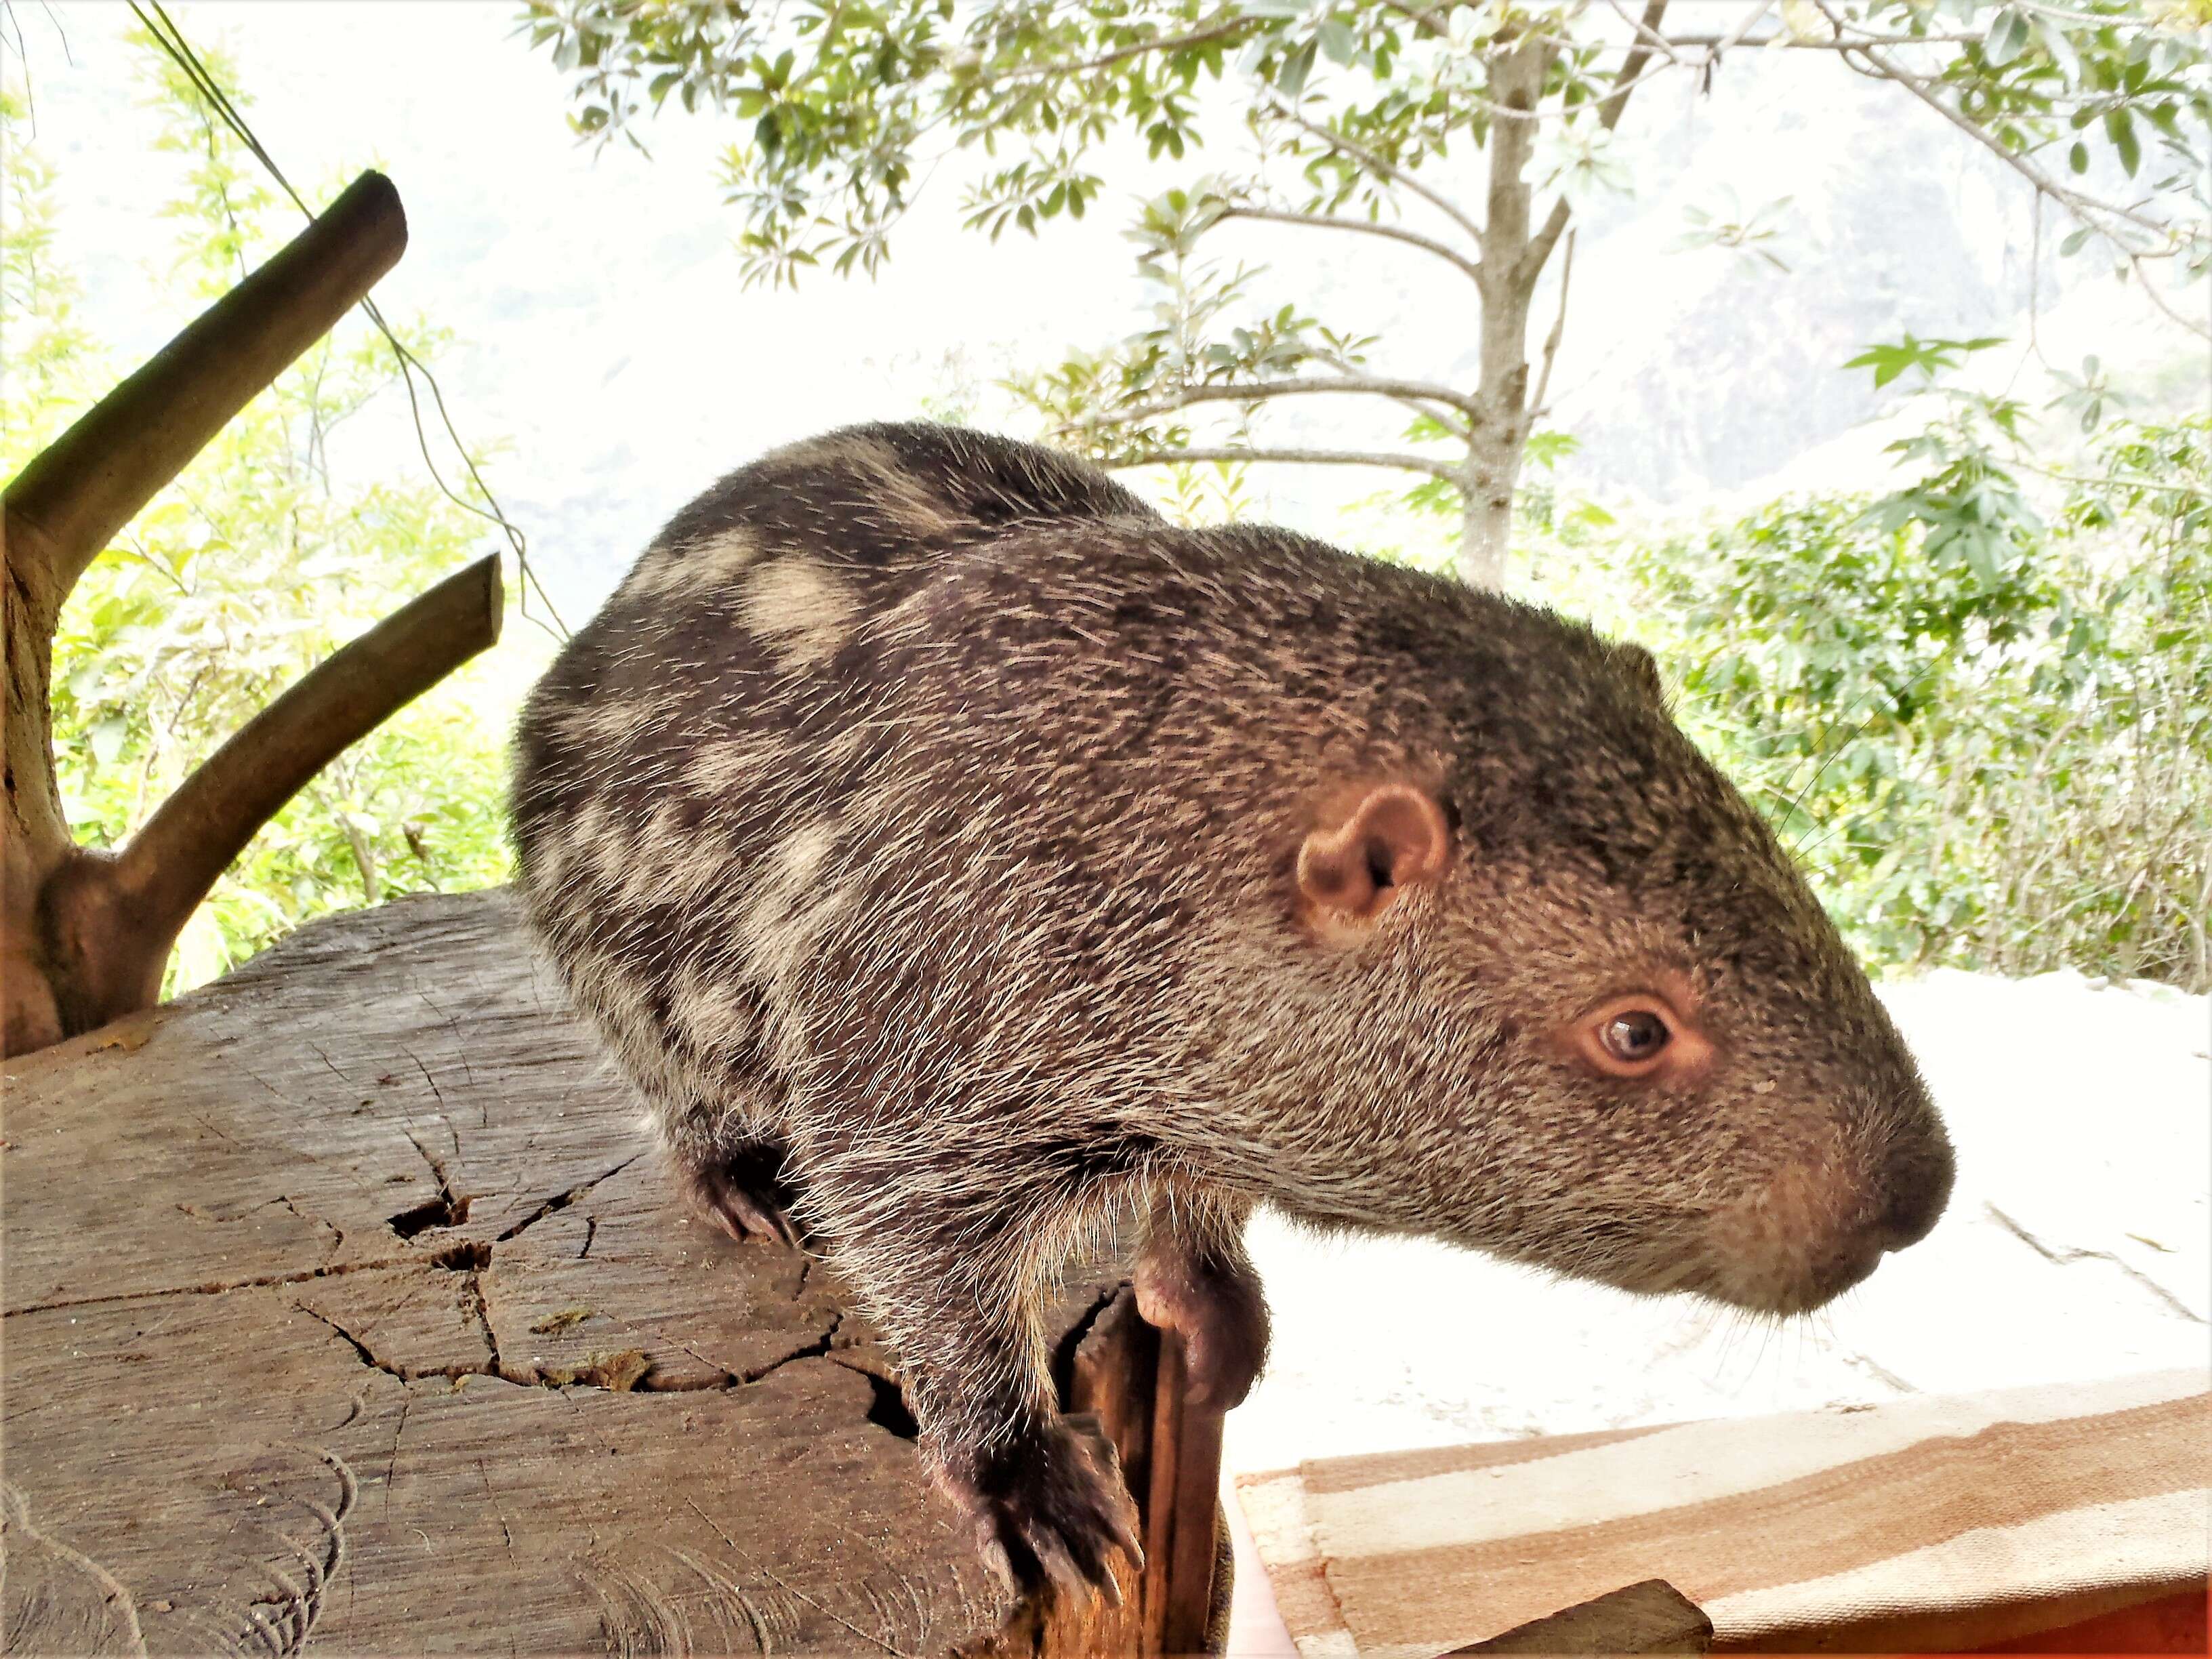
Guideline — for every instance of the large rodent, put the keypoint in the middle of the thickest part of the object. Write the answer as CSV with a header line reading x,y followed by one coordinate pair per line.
x,y
957,855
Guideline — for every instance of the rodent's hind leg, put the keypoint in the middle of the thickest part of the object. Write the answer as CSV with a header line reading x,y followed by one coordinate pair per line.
x,y
952,1280
746,1191
1194,1277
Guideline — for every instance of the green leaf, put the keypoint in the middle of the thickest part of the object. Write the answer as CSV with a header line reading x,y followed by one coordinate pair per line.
x,y
2120,128
2007,38
106,737
2055,42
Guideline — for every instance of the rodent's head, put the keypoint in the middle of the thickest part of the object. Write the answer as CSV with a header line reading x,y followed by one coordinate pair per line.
x,y
1608,1027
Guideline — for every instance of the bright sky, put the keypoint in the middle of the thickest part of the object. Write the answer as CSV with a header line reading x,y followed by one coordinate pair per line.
x,y
604,334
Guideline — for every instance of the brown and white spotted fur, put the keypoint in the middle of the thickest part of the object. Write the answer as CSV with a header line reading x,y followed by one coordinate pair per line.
x,y
955,854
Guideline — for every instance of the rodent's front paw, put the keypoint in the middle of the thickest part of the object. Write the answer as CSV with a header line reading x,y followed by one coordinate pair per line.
x,y
1050,1507
1221,1317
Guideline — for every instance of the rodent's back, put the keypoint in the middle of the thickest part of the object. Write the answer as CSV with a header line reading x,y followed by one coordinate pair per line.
x,y
669,764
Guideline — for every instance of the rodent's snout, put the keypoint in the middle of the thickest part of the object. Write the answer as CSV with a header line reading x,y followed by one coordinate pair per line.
x,y
1814,1228
1917,1185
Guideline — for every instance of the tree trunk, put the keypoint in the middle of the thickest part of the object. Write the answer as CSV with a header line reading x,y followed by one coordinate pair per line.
x,y
1485,525
1509,282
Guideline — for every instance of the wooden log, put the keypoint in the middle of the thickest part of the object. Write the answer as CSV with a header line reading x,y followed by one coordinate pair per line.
x,y
343,1302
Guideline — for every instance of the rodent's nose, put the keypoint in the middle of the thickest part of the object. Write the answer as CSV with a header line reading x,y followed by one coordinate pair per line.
x,y
1917,1182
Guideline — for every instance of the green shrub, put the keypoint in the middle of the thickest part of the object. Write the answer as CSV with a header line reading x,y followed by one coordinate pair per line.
x,y
1988,738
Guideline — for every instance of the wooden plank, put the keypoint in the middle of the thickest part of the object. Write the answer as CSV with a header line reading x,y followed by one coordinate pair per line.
x,y
343,1304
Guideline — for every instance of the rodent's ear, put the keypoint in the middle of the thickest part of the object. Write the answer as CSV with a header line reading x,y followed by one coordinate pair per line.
x,y
1358,862
1644,667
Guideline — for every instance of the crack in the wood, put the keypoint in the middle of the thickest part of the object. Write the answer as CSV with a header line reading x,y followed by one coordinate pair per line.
x,y
2060,1255
482,1308
1063,1353
560,1201
448,1209
370,1356
338,1233
595,1374
505,1536
322,1055
391,1463
888,1410
360,1347
591,1232
437,1093
815,1350
214,1287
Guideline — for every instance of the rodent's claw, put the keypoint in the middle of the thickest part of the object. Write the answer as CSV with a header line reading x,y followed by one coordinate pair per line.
x,y
746,1196
1050,1509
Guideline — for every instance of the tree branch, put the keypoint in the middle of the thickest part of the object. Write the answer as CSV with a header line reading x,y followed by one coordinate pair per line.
x,y
2086,209
172,861
1559,329
1260,391
1787,41
1442,470
1197,37
1443,251
1632,67
1624,81
1423,18
1375,164
69,502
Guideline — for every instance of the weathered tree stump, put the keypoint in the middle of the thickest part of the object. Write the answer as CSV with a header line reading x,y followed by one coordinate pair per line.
x,y
343,1300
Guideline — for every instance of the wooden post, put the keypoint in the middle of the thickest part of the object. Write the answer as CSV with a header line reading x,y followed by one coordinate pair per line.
x,y
1181,1524
1131,1377
84,936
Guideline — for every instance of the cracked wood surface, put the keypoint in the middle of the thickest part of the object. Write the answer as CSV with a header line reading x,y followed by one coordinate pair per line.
x,y
342,1300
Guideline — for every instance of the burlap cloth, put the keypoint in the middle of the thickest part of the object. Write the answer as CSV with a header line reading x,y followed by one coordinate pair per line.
x,y
1931,1523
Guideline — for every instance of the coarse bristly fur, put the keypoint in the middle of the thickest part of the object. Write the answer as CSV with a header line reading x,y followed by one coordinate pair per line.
x,y
932,833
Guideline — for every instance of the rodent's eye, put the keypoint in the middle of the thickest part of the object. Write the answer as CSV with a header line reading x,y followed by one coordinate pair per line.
x,y
1652,1035
1633,1036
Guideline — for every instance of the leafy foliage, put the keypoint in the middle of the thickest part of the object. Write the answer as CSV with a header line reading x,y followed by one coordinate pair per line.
x,y
1989,736
846,101
1358,117
253,566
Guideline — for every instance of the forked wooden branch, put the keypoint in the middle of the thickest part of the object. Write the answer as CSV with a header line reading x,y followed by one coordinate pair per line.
x,y
108,923
84,935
